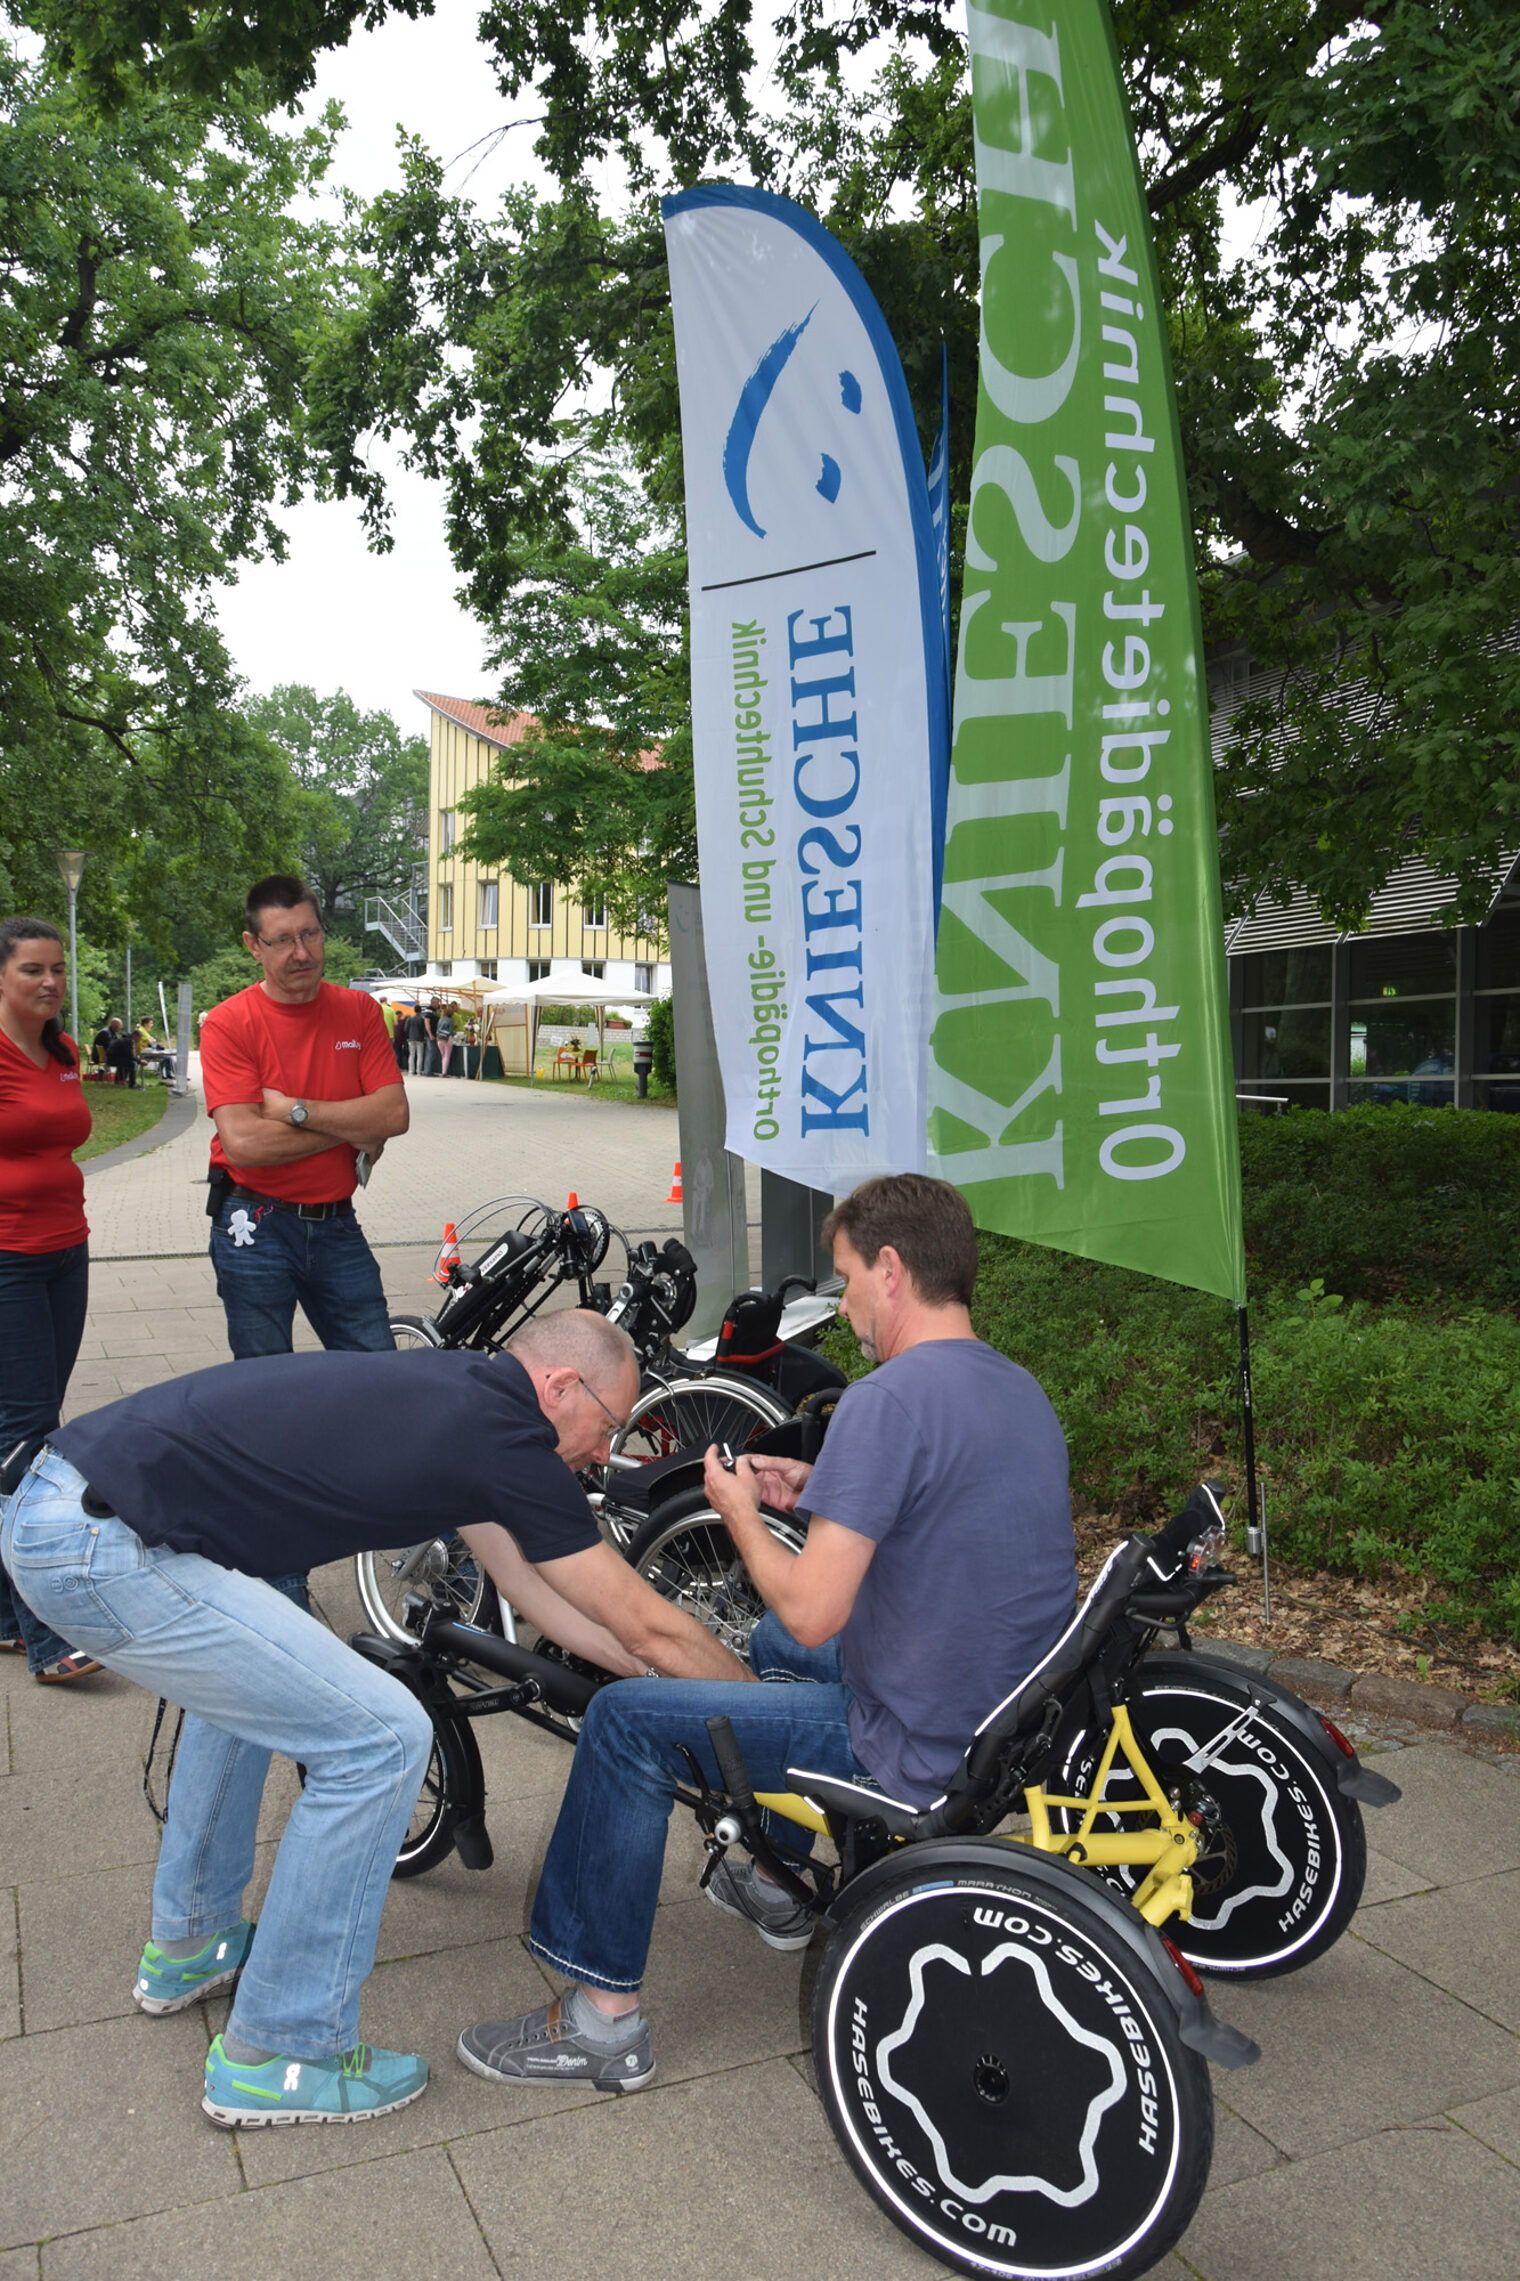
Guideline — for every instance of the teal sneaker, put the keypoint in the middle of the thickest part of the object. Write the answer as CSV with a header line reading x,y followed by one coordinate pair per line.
x,y
355,2088
172,1983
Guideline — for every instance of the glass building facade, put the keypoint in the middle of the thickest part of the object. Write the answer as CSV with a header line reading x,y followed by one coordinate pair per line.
x,y
1431,1017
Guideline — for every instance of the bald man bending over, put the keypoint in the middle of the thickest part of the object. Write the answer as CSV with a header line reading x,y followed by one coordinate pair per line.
x,y
154,1524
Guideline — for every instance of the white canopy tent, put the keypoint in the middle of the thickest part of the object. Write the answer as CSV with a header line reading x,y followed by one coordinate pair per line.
x,y
573,990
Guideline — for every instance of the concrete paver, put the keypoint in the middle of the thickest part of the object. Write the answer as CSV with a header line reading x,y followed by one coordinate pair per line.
x,y
1380,2133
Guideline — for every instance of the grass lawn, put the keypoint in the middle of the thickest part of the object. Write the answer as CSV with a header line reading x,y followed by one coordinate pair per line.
x,y
119,1115
619,1088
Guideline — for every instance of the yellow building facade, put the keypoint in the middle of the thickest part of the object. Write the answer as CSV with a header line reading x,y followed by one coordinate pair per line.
x,y
484,925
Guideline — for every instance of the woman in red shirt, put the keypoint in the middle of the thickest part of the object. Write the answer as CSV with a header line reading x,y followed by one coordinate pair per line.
x,y
44,1248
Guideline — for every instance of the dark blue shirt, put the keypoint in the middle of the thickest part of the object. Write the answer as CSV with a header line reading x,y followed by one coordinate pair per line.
x,y
280,1464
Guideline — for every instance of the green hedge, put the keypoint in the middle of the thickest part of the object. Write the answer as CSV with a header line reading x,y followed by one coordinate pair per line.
x,y
1385,1204
1388,1425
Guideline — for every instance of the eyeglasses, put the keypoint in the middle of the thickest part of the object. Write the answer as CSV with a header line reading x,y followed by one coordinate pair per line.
x,y
308,939
615,1424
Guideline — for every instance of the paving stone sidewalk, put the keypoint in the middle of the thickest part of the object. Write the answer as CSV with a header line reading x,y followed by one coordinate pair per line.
x,y
1379,2135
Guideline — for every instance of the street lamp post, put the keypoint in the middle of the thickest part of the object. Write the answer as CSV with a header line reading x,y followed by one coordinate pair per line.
x,y
71,871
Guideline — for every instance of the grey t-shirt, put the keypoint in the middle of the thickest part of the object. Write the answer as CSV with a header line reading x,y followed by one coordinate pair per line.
x,y
952,1460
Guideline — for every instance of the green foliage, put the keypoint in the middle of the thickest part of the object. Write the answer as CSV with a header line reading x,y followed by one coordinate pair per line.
x,y
361,809
1388,1433
158,299
1385,1203
1344,385
185,48
661,1033
1393,1441
1346,382
220,976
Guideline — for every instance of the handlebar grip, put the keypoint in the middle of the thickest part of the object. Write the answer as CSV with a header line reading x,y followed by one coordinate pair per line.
x,y
731,1764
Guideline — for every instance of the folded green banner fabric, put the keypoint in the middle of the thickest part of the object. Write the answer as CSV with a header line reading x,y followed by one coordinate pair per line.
x,y
1081,1085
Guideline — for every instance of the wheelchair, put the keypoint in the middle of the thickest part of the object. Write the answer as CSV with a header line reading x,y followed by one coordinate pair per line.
x,y
1009,2027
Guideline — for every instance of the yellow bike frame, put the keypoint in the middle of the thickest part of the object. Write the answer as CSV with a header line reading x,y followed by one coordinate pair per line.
x,y
1166,1851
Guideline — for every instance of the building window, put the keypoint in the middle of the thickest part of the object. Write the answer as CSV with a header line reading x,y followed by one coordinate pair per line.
x,y
488,970
489,895
1403,1019
1496,1015
1285,1024
643,979
594,916
447,825
538,969
595,967
444,966
445,906
541,904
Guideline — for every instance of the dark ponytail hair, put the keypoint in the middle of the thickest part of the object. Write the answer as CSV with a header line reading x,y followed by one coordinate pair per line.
x,y
23,929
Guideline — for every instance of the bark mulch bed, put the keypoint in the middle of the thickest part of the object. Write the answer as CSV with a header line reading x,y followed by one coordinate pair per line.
x,y
1362,1625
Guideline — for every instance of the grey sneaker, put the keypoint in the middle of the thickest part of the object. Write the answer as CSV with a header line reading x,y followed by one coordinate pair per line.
x,y
544,2047
780,1921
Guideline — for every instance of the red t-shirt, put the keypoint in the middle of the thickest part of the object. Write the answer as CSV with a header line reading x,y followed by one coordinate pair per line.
x,y
334,1049
44,1117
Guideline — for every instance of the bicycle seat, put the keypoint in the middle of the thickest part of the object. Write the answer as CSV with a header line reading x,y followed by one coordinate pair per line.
x,y
1017,1714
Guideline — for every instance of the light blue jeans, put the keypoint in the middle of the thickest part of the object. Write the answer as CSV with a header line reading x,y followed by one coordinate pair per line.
x,y
254,1667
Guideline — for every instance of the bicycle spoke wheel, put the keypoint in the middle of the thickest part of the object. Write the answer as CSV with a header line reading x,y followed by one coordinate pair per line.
x,y
385,1578
687,1554
691,1412
1006,2076
1282,1854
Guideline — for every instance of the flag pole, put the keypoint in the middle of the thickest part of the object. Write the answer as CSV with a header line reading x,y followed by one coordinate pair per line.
x,y
1254,1517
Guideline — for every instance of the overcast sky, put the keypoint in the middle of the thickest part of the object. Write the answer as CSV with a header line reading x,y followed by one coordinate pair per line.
x,y
333,614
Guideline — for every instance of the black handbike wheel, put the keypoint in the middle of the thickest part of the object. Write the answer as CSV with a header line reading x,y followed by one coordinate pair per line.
x,y
685,1551
1283,1855
1004,2073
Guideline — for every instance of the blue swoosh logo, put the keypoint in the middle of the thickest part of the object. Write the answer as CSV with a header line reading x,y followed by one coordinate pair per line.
x,y
753,398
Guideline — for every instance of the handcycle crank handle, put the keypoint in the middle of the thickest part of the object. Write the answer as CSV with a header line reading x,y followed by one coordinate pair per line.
x,y
731,1766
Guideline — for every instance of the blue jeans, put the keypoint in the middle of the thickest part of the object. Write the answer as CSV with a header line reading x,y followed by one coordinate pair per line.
x,y
325,1264
43,1299
594,1910
253,1667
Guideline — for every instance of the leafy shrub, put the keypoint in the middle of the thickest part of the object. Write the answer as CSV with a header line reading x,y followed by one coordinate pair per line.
x,y
1385,1203
661,1033
1393,1441
1386,1350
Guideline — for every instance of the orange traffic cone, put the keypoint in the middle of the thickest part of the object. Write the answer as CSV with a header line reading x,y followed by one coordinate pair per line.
x,y
675,1185
572,1202
448,1255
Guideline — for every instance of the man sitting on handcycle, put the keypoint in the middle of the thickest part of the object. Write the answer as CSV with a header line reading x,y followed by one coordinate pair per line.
x,y
938,1569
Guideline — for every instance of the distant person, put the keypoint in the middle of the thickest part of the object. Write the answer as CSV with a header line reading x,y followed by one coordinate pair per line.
x,y
298,1078
419,1037
397,1026
443,1030
121,1054
44,1242
100,1042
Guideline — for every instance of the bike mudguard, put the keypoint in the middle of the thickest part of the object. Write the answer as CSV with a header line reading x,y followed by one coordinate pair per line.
x,y
1196,2024
1352,1778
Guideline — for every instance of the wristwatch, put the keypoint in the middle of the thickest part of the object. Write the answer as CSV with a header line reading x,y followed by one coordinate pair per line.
x,y
298,1112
